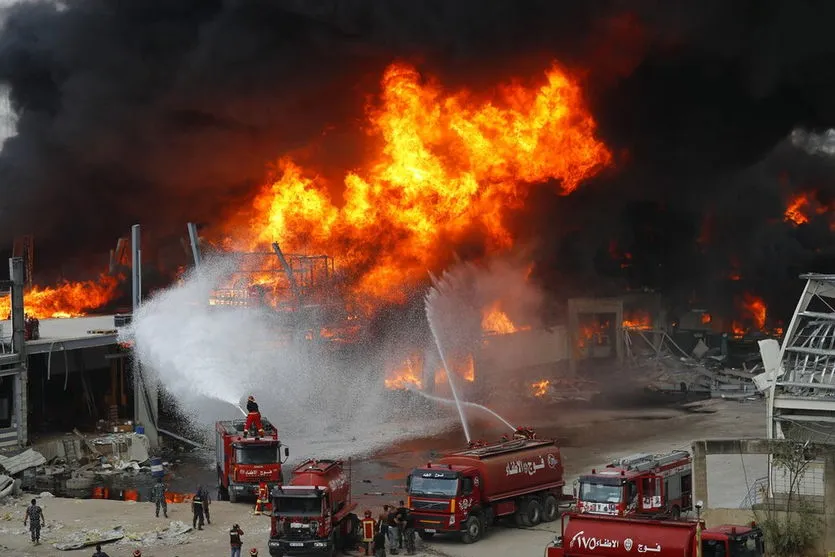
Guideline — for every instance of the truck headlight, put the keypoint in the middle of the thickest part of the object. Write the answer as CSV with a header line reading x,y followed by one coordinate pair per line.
x,y
319,544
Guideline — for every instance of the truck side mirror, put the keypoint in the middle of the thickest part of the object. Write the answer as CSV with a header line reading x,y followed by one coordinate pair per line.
x,y
286,452
408,481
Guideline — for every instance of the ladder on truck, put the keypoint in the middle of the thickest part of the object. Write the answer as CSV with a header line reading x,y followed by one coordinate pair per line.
x,y
642,462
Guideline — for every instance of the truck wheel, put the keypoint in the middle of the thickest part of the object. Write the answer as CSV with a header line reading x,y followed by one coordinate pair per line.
x,y
532,512
233,496
349,534
550,509
426,535
473,529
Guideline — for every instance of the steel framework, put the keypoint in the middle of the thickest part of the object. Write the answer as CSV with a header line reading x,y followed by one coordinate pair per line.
x,y
801,383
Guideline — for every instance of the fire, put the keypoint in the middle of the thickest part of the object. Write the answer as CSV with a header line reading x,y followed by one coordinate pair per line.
x,y
495,321
68,299
638,320
406,376
443,164
756,309
794,212
594,333
706,318
540,388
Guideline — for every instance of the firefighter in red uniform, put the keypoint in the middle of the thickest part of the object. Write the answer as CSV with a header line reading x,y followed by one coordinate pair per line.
x,y
263,502
368,527
253,417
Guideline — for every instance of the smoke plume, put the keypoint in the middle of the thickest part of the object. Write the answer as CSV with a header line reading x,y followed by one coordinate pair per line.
x,y
165,112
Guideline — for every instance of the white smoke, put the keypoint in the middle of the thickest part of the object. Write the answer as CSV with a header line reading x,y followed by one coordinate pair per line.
x,y
210,358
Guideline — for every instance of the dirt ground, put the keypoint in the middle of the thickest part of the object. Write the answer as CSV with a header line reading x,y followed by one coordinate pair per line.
x,y
588,438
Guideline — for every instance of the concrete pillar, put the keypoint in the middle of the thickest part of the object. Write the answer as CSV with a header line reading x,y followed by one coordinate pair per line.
x,y
20,388
699,452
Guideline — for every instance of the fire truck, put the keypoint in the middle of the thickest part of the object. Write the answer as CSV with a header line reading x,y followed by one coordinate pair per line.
x,y
312,514
585,535
465,492
641,484
245,461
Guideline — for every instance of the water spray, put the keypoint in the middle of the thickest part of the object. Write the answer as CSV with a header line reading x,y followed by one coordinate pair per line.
x,y
465,403
432,293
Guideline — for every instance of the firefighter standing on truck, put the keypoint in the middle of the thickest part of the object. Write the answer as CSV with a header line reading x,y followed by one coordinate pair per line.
x,y
253,417
368,527
197,509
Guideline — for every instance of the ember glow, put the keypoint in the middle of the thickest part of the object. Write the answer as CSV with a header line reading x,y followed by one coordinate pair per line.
x,y
496,322
408,375
68,299
638,320
540,388
795,211
443,165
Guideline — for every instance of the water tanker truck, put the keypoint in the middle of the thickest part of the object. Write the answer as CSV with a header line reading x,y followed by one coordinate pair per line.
x,y
466,491
243,462
312,514
586,535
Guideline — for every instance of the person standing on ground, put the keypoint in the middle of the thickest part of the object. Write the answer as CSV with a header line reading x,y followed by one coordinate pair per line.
x,y
197,509
235,542
393,530
402,511
34,514
206,501
99,552
380,544
409,533
158,497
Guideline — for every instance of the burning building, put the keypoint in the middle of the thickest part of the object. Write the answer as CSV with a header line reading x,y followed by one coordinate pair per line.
x,y
625,149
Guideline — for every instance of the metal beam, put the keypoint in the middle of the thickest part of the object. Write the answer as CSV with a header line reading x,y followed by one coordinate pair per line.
x,y
194,240
289,270
806,385
93,341
799,403
812,351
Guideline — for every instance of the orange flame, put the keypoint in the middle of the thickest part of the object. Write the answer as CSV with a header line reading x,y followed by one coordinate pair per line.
x,y
495,321
592,333
68,299
794,212
756,309
540,388
638,320
406,376
446,164
706,319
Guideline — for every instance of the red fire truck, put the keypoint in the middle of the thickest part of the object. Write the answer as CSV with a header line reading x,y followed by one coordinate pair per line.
x,y
312,514
244,462
641,484
466,491
607,536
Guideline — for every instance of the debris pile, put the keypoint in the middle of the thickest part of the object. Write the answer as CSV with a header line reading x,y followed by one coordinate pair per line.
x,y
665,366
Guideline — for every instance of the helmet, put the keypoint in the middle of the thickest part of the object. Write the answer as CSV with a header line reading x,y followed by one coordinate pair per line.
x,y
251,398
254,552
367,514
137,553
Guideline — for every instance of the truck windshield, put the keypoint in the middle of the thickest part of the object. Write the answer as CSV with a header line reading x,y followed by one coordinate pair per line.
x,y
298,506
600,493
446,487
256,454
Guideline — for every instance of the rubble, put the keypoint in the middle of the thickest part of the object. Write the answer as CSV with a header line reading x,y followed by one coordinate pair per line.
x,y
29,458
89,537
174,534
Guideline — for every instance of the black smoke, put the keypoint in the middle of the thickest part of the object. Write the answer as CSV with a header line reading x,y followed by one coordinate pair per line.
x,y
166,111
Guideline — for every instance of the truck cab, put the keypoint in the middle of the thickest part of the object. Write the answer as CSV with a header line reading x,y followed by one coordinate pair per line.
x,y
244,462
313,513
642,484
441,499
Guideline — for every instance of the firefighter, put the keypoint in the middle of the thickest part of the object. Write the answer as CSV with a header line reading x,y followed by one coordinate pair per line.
x,y
158,497
253,552
409,533
206,501
34,514
99,552
400,516
235,542
368,527
380,544
253,417
197,509
137,553
263,498
393,530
